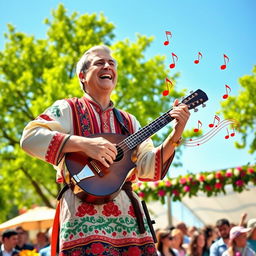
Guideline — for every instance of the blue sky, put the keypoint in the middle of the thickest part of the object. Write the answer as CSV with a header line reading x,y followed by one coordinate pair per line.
x,y
212,27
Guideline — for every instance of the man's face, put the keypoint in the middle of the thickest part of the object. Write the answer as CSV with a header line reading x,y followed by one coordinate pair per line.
x,y
101,75
11,242
241,240
224,231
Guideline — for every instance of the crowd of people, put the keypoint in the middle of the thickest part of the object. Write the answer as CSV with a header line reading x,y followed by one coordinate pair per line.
x,y
14,241
223,239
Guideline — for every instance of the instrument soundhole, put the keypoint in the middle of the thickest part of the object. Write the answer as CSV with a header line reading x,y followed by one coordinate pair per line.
x,y
120,154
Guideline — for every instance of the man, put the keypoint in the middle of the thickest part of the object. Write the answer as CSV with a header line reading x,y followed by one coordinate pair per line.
x,y
221,245
22,245
9,240
238,242
118,226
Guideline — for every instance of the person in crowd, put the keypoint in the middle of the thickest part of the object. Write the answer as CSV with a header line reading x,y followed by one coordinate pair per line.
x,y
65,128
197,245
177,241
238,243
252,234
42,241
46,251
164,243
220,245
210,236
183,227
191,231
9,241
22,239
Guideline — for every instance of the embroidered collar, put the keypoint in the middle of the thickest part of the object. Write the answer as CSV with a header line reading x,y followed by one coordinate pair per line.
x,y
97,106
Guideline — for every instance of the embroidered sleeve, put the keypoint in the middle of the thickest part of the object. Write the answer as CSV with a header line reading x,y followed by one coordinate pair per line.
x,y
150,165
45,136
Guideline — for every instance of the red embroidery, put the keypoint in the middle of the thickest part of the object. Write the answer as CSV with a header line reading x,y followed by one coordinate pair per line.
x,y
134,251
85,208
131,211
77,252
111,209
45,117
97,248
53,148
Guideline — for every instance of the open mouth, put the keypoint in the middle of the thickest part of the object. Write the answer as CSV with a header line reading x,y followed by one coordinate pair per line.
x,y
106,76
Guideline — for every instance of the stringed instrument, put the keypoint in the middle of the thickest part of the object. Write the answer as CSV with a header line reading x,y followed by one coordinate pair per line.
x,y
92,182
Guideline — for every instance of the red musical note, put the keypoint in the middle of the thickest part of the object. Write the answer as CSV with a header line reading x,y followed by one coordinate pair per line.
x,y
168,33
215,118
173,64
225,96
199,57
199,123
225,65
227,136
169,85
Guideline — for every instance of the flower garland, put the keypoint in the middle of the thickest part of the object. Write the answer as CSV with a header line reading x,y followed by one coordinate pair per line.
x,y
28,253
211,183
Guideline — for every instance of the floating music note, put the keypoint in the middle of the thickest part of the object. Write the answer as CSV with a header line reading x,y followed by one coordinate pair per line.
x,y
172,65
199,57
168,33
199,123
226,58
225,96
233,133
227,136
204,138
169,85
215,118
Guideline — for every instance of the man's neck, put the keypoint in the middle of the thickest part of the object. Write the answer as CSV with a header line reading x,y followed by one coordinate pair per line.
x,y
7,249
103,101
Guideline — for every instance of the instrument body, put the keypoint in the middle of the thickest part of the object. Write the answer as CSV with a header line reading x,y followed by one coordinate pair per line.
x,y
93,182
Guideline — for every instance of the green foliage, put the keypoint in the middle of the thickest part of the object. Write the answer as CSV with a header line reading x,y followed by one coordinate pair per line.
x,y
36,72
242,108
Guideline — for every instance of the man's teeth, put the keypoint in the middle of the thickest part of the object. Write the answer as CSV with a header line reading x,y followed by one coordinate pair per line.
x,y
106,77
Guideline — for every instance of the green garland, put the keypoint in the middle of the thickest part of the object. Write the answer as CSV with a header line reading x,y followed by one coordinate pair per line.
x,y
211,183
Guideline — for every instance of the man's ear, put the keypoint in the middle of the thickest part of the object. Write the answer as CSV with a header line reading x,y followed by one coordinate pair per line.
x,y
82,76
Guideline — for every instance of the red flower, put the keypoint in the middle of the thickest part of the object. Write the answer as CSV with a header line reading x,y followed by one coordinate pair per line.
x,y
111,209
183,180
124,233
81,234
208,187
156,183
161,192
114,234
134,251
85,208
97,248
151,250
218,185
229,174
77,252
218,175
175,192
239,183
186,188
131,211
250,170
141,194
85,121
168,183
201,178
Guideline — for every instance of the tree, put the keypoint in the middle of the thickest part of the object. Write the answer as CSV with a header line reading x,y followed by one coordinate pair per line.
x,y
36,72
243,108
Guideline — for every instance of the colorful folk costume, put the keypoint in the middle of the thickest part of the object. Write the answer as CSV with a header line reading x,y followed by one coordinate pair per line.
x,y
112,228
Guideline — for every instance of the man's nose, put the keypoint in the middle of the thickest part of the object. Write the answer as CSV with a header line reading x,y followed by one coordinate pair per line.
x,y
106,65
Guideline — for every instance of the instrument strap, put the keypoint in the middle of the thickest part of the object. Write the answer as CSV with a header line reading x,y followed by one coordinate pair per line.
x,y
119,117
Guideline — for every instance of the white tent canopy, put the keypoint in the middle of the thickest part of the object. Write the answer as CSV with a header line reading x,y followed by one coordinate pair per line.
x,y
230,206
34,219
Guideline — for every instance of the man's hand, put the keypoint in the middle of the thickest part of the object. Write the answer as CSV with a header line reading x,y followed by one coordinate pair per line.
x,y
96,148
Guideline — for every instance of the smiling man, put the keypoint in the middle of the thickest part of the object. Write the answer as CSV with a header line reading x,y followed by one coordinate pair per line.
x,y
117,226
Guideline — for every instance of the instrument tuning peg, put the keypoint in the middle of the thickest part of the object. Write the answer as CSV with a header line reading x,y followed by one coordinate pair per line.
x,y
203,105
196,109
